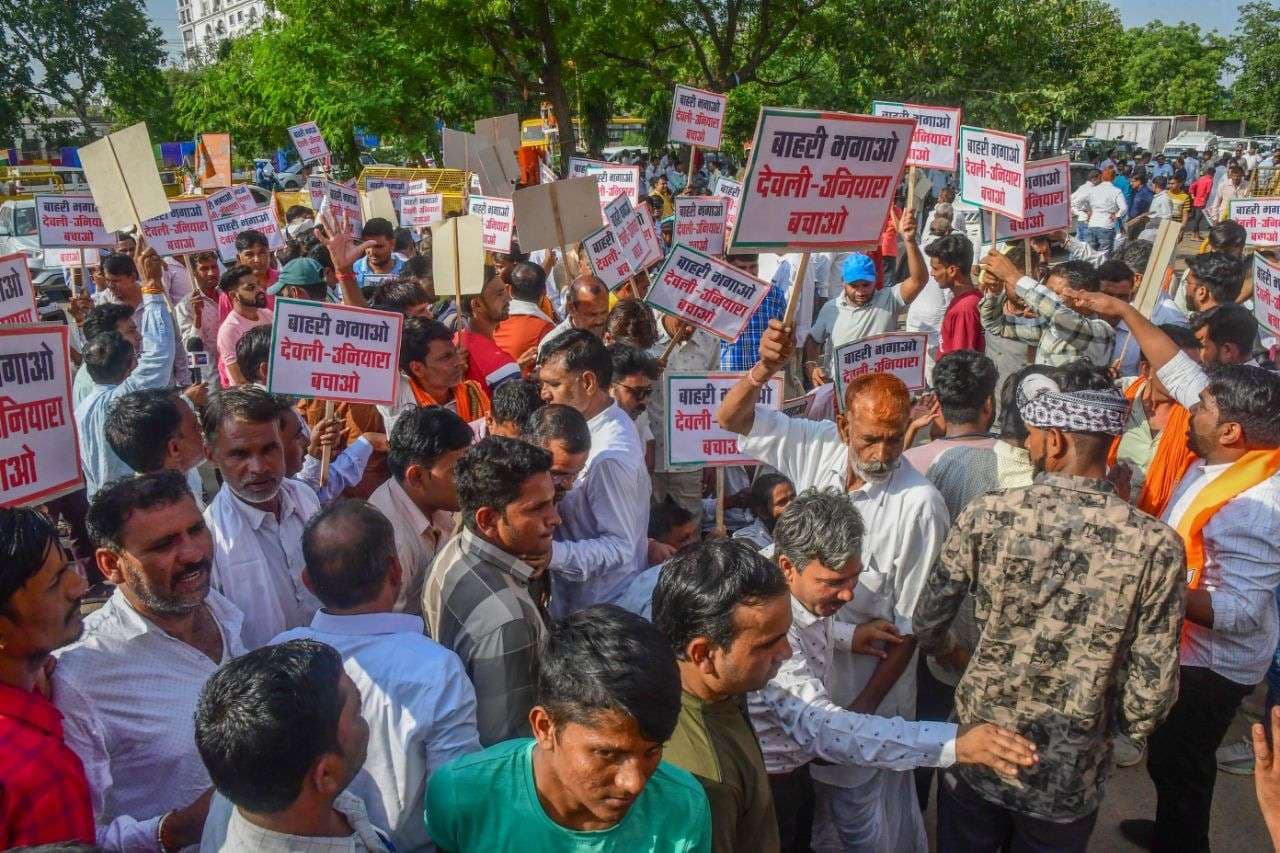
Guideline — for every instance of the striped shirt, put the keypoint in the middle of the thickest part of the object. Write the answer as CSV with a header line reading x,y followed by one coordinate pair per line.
x,y
477,604
1059,333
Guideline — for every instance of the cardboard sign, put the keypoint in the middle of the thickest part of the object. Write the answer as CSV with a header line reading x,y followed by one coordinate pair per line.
x,y
17,296
227,228
620,216
706,292
497,218
67,258
469,152
1266,293
898,354
124,180
936,138
655,249
344,204
39,454
213,160
693,436
992,170
1047,203
1260,218
419,211
604,251
615,181
579,166
557,214
334,352
309,142
503,133
377,204
819,181
457,255
697,117
71,221
700,223
397,188
184,229
731,192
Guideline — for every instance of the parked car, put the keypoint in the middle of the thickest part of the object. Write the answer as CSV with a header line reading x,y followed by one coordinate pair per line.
x,y
20,234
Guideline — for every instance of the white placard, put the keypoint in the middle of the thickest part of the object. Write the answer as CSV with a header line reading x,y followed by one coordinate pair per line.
x,y
334,352
71,221
579,167
1266,293
604,250
17,295
819,181
655,249
731,191
309,142
39,454
498,219
697,117
898,354
420,211
936,138
700,222
226,229
620,216
186,228
1048,201
616,181
992,170
693,436
1260,218
706,292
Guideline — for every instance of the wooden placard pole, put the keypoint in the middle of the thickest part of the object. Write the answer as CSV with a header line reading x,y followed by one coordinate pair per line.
x,y
720,531
911,190
1026,255
993,230
83,286
693,156
326,450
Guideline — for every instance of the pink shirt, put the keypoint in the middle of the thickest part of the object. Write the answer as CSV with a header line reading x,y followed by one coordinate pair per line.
x,y
229,334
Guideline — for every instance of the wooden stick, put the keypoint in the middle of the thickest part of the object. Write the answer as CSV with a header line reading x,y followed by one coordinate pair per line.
x,y
720,531
671,345
84,278
1026,255
326,450
693,155
911,188
793,298
457,276
993,231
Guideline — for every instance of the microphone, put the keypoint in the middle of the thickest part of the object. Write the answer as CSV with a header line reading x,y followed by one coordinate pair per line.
x,y
197,359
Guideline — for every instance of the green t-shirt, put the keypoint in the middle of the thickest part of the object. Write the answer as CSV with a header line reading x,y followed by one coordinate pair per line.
x,y
486,802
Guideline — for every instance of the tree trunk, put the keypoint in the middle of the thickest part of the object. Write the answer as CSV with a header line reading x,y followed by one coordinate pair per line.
x,y
553,80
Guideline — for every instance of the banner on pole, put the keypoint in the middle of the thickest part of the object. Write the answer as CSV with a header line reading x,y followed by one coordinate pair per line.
x,y
17,295
707,292
497,216
615,181
556,214
1260,218
700,223
697,117
898,354
620,216
309,142
936,139
993,170
186,228
819,181
39,453
71,221
604,251
731,191
1266,293
693,436
123,178
227,228
420,211
1047,204
334,352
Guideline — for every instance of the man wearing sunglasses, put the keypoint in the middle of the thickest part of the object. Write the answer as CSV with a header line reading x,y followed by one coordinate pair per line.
x,y
634,372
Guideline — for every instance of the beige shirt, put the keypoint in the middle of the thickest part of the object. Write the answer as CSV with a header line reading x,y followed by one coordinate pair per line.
x,y
418,538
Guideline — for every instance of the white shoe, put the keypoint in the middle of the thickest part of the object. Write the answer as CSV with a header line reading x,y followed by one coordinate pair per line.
x,y
1127,752
1236,758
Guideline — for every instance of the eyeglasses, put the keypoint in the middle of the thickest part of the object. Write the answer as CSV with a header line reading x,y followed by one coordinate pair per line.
x,y
641,393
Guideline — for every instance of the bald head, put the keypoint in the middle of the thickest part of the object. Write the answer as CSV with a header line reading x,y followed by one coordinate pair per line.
x,y
587,303
349,549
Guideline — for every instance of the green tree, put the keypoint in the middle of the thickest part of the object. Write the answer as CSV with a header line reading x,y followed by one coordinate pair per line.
x,y
1171,69
76,54
1256,91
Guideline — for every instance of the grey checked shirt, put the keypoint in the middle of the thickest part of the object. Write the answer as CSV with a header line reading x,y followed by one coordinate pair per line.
x,y
477,603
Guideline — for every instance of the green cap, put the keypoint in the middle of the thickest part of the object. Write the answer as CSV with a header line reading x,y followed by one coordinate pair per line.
x,y
300,272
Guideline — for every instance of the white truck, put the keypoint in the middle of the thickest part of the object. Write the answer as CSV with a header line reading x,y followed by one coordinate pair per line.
x,y
1200,141
1150,133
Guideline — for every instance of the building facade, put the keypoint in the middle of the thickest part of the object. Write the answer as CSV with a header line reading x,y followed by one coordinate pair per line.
x,y
204,24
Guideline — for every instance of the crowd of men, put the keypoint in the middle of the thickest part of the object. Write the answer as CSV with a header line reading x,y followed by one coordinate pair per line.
x,y
492,615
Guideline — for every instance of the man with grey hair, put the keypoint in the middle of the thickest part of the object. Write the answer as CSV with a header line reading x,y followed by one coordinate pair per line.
x,y
818,540
586,306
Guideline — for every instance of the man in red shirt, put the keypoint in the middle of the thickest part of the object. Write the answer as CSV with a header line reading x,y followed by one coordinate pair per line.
x,y
44,796
487,363
1200,190
950,261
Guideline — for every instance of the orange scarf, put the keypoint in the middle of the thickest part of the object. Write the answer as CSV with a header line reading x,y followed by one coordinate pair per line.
x,y
1169,463
1249,470
472,402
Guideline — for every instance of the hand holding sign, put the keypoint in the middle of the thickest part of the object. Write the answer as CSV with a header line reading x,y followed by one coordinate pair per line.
x,y
777,346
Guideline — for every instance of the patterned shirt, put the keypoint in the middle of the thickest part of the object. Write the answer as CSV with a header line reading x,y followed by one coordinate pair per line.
x,y
1079,599
745,351
44,796
477,603
1060,334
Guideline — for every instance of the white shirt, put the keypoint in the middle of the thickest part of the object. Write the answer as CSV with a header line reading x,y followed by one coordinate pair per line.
x,y
796,720
227,831
904,521
418,538
128,694
257,561
780,270
1079,205
1241,557
417,699
841,322
1106,204
925,313
602,540
563,326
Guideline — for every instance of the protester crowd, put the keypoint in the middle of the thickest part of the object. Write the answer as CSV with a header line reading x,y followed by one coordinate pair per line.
x,y
493,616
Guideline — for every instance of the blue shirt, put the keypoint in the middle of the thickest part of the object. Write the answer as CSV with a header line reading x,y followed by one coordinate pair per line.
x,y
745,351
1122,184
153,370
1141,201
362,271
1162,170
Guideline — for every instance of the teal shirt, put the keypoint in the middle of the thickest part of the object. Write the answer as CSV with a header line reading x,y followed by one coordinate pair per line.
x,y
486,802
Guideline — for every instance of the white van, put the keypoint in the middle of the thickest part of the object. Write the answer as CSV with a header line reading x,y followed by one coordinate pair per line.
x,y
1201,141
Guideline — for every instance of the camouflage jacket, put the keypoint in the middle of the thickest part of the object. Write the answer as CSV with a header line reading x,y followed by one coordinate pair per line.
x,y
1079,601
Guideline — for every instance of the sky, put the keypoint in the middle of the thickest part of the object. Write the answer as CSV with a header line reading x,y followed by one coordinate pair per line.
x,y
1220,15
